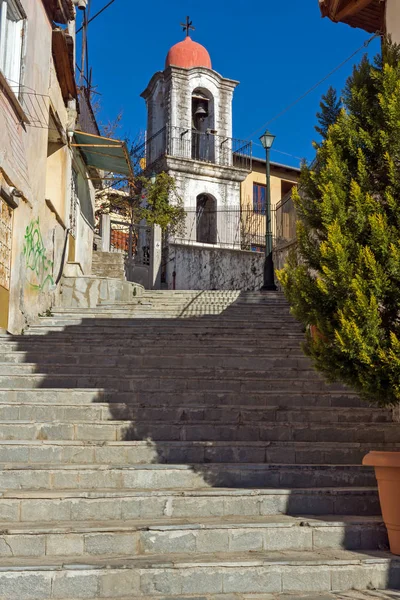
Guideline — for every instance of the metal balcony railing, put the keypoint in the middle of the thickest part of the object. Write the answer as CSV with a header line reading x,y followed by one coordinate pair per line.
x,y
207,147
87,119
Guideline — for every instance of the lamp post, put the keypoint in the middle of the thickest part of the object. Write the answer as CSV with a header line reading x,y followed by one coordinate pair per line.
x,y
267,139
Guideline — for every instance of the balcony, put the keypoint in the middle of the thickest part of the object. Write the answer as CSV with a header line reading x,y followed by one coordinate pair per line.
x,y
190,144
86,120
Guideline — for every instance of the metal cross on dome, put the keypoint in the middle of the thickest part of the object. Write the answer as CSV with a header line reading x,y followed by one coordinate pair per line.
x,y
188,26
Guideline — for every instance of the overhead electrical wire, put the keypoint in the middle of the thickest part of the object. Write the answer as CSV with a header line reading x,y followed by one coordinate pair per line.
x,y
315,86
96,15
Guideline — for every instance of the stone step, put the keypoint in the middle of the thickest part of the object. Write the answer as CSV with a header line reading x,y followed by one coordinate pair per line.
x,y
388,594
91,452
289,399
206,574
87,355
108,264
88,324
222,374
190,313
240,383
112,272
243,311
119,430
103,411
130,538
230,304
252,367
158,476
99,255
111,257
108,268
20,506
85,332
248,368
154,343
214,322
134,360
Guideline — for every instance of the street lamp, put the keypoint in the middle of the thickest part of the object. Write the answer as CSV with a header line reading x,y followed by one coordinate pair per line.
x,y
267,139
153,177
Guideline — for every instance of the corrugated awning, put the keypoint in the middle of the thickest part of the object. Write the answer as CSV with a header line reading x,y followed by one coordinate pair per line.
x,y
104,153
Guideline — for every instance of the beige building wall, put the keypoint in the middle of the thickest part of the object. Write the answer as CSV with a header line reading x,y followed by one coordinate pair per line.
x,y
36,161
282,179
393,19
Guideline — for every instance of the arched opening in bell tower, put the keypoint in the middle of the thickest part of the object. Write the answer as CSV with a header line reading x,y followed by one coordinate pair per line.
x,y
206,219
203,127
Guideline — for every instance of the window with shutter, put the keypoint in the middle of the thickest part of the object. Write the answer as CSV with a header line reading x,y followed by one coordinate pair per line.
x,y
12,22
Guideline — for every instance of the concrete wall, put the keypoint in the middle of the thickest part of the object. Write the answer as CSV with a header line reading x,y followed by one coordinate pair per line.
x,y
393,19
89,292
204,268
36,161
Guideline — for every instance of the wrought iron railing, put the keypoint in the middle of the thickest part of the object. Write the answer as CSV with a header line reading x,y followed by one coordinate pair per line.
x,y
187,143
229,227
87,119
286,220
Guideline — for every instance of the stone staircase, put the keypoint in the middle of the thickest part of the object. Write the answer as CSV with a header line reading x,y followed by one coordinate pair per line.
x,y
180,446
108,264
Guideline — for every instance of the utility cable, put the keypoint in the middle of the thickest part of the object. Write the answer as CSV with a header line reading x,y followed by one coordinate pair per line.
x,y
96,15
315,86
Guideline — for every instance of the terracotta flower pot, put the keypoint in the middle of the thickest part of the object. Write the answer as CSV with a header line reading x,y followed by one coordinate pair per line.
x,y
387,472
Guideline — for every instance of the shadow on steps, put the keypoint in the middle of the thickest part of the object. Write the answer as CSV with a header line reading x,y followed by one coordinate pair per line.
x,y
224,401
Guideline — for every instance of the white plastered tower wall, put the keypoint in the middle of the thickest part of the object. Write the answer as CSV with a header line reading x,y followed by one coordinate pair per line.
x,y
169,98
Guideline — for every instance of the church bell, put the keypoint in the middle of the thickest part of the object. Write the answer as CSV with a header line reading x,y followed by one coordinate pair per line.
x,y
201,110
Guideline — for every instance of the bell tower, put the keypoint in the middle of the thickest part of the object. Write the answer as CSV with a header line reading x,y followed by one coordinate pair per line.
x,y
189,135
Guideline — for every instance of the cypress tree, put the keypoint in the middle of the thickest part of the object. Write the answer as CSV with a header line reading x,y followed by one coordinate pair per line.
x,y
344,277
330,107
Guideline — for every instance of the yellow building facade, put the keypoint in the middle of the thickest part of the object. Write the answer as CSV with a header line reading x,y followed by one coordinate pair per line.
x,y
253,195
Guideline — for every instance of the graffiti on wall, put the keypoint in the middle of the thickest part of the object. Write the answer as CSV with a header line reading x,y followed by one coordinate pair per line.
x,y
5,244
38,266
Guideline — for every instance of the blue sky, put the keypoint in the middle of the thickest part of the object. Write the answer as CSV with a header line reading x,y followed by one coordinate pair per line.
x,y
276,49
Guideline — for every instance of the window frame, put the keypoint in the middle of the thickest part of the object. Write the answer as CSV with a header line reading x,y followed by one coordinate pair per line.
x,y
11,59
259,203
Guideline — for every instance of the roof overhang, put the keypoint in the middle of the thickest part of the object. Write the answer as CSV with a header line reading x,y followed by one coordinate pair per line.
x,y
363,14
63,56
60,11
103,153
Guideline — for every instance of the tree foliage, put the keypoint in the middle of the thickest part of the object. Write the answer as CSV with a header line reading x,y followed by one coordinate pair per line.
x,y
163,205
157,202
344,277
330,107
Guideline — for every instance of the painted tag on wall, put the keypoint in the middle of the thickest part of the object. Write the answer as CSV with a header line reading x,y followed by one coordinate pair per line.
x,y
38,266
6,216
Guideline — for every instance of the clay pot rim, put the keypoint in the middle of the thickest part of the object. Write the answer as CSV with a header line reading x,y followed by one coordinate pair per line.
x,y
382,459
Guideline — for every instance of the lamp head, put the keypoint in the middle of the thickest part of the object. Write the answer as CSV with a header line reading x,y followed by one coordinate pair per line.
x,y
267,139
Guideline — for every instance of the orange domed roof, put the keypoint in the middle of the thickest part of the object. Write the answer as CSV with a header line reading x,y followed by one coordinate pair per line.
x,y
188,54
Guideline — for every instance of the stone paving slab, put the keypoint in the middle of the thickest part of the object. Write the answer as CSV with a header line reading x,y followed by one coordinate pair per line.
x,y
171,536
94,451
161,476
203,575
